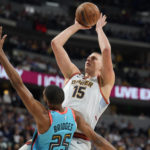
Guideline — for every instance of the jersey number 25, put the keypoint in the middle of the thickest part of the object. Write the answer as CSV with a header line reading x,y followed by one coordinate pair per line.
x,y
59,141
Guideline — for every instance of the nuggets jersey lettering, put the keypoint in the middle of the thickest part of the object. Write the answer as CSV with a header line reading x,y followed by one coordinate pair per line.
x,y
84,96
60,133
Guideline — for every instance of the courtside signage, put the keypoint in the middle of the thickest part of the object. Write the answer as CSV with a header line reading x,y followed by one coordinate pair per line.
x,y
40,79
133,93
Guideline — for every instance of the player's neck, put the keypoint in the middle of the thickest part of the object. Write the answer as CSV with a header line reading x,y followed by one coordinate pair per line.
x,y
57,108
91,75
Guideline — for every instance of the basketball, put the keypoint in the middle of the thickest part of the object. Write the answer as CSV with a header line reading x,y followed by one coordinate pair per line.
x,y
87,14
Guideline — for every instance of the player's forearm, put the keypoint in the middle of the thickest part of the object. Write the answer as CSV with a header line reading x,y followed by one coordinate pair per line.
x,y
103,40
63,37
103,144
11,72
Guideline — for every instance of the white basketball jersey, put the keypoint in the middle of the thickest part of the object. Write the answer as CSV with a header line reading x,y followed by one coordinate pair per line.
x,y
84,95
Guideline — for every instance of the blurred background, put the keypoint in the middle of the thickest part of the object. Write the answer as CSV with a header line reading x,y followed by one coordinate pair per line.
x,y
30,26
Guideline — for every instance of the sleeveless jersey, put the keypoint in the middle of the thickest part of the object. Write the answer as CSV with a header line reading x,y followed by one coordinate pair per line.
x,y
84,95
60,133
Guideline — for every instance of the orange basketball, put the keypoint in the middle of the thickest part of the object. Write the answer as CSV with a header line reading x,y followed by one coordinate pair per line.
x,y
87,14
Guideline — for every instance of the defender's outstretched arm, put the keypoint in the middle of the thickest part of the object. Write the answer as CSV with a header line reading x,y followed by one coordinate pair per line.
x,y
33,106
98,140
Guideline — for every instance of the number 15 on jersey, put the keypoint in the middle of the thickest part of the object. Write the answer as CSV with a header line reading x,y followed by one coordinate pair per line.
x,y
79,92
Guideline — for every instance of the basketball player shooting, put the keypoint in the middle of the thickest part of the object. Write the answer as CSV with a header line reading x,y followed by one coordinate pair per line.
x,y
87,93
50,134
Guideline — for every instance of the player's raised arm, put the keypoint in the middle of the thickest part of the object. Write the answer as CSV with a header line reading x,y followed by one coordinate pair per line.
x,y
107,72
33,106
98,140
62,58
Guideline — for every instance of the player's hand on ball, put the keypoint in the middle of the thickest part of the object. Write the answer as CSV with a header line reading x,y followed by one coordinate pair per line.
x,y
101,22
2,39
81,27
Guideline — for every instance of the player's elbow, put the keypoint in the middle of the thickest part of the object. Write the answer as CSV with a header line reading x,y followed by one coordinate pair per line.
x,y
55,44
107,49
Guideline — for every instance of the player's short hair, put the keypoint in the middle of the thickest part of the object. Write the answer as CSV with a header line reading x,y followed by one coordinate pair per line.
x,y
54,94
99,53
